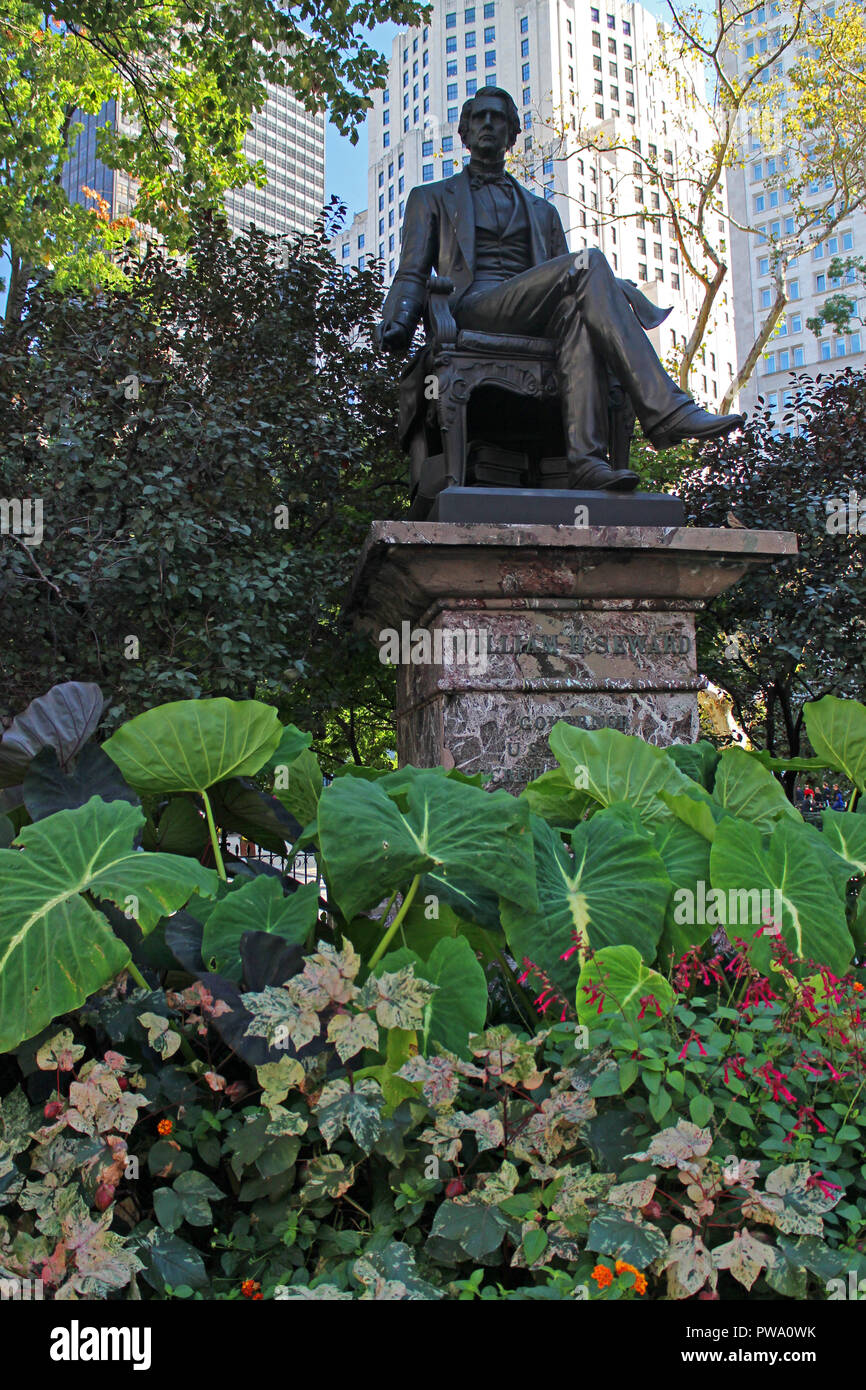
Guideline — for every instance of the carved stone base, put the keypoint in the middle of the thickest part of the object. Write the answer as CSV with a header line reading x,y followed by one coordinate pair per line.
x,y
500,631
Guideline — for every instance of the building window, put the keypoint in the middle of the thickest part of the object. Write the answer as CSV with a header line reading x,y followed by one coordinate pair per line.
x,y
611,21
825,350
451,92
524,48
599,110
793,289
386,139
471,87
490,35
527,120
346,250
426,148
759,203
596,40
641,271
489,11
471,62
548,191
524,25
451,68
596,62
799,356
524,72
847,241
451,44
427,173
453,113
597,87
820,283
469,15
490,58
547,166
766,299
361,242
626,27
854,342
469,39
386,117
527,96
763,265
675,280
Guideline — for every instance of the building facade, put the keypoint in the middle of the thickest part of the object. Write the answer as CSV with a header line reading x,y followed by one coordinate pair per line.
x,y
759,199
283,135
568,64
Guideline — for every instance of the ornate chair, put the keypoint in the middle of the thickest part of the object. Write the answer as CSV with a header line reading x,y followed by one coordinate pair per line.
x,y
484,408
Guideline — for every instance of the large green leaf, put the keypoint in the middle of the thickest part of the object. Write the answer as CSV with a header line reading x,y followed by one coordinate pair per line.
x,y
257,906
686,856
55,947
837,732
809,885
845,832
553,797
696,760
612,767
746,789
300,786
612,889
181,829
188,745
695,809
458,1009
617,981
449,832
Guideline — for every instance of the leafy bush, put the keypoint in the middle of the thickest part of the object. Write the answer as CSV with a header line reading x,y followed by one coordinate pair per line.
x,y
338,1089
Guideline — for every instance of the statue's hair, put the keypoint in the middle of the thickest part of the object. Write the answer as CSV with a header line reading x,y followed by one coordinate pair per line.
x,y
510,109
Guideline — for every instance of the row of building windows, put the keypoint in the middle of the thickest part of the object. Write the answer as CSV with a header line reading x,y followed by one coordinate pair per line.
x,y
611,21
469,15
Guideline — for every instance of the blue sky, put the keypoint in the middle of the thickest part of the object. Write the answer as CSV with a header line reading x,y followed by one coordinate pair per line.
x,y
345,163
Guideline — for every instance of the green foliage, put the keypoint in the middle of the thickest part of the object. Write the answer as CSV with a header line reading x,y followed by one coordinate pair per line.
x,y
188,82
775,647
293,1105
210,446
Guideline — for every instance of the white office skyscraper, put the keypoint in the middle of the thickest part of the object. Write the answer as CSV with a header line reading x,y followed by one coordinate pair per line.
x,y
286,138
561,60
758,198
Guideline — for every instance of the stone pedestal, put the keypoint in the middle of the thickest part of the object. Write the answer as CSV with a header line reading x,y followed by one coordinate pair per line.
x,y
498,631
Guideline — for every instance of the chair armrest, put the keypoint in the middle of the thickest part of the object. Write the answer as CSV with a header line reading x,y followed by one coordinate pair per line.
x,y
441,324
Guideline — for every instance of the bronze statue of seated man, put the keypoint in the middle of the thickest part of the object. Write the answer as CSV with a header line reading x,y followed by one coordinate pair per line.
x,y
506,253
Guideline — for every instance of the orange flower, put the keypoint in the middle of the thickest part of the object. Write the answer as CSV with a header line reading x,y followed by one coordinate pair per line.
x,y
256,1295
164,1127
858,986
622,1268
250,1289
640,1283
602,1276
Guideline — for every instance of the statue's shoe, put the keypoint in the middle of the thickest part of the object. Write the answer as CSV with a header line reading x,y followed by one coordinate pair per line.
x,y
595,476
692,422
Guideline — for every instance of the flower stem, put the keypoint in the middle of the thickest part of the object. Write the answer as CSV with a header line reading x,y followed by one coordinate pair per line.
x,y
395,925
214,837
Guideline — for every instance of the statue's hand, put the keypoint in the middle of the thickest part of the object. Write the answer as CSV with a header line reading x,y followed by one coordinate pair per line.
x,y
395,336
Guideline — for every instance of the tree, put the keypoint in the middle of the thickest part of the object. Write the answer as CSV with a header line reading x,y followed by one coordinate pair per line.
x,y
795,632
209,444
717,116
185,79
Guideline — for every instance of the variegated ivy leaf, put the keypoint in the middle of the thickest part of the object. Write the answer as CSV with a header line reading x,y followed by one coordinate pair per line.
x,y
277,1079
286,1123
59,1052
350,1033
101,1261
328,1292
678,1147
577,1187
555,1127
632,1195
160,1035
376,1287
14,1123
486,1127
358,1109
688,1262
398,998
500,1185
789,1203
511,1058
745,1257
438,1077
326,978
277,1017
327,1176
97,1104
444,1138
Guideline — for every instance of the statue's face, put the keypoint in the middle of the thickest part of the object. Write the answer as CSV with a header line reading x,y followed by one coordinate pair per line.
x,y
487,136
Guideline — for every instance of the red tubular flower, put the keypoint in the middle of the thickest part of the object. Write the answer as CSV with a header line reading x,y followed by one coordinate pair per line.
x,y
649,1001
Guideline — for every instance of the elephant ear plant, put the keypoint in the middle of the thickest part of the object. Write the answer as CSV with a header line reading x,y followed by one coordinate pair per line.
x,y
641,853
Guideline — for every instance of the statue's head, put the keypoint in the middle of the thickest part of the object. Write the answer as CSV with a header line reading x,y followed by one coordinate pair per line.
x,y
489,123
